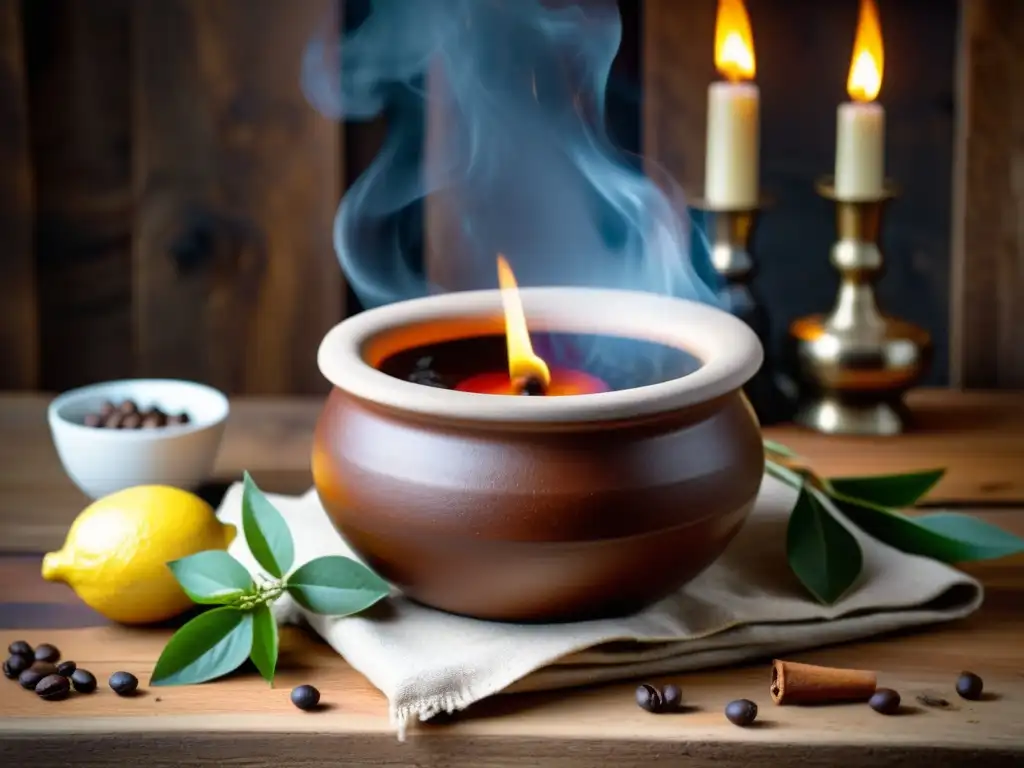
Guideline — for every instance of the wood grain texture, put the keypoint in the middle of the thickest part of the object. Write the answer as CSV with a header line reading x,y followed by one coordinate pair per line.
x,y
988,253
678,65
240,719
79,65
270,437
19,333
236,186
979,437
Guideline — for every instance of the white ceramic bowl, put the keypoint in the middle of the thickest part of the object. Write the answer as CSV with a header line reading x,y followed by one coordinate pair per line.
x,y
102,461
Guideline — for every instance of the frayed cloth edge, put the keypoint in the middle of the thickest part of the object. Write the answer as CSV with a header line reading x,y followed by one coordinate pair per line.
x,y
425,709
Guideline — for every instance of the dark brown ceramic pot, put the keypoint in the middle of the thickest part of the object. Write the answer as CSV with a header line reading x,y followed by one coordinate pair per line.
x,y
539,509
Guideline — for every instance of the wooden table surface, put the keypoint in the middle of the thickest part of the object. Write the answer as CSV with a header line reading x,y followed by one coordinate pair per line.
x,y
241,721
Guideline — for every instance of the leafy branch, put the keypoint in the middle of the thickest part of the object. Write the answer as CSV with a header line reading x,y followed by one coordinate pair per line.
x,y
242,626
826,557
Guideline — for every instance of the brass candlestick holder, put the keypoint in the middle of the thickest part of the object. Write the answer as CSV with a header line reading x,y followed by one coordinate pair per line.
x,y
858,362
730,234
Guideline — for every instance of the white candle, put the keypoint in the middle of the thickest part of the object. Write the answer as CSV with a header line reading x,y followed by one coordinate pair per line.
x,y
860,151
860,123
733,136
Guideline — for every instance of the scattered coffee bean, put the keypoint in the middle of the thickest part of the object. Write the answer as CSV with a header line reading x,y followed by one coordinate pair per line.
x,y
20,648
18,663
53,688
648,698
124,683
933,701
83,680
8,673
671,698
48,653
66,668
30,678
44,667
885,701
305,697
741,712
969,686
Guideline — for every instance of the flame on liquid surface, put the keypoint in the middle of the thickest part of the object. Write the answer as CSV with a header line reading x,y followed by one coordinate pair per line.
x,y
522,360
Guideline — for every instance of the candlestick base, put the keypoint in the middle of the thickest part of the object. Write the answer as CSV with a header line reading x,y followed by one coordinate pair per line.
x,y
839,414
857,362
730,233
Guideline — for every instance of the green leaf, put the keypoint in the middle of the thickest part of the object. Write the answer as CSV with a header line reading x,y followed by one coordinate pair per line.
x,y
336,586
785,474
893,491
264,642
821,552
778,448
944,536
266,531
211,577
212,644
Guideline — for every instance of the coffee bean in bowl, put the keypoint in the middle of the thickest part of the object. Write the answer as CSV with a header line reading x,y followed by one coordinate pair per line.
x,y
119,434
128,415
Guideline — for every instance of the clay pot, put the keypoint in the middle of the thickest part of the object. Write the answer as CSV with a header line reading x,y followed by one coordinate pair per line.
x,y
539,508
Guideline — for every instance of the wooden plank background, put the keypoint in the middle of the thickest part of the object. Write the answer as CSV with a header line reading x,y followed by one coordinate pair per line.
x,y
19,336
168,194
987,340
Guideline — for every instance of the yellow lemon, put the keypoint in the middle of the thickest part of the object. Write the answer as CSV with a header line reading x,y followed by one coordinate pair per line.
x,y
116,552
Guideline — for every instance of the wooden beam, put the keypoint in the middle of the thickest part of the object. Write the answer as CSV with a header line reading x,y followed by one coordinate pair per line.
x,y
236,187
987,334
678,64
19,335
81,148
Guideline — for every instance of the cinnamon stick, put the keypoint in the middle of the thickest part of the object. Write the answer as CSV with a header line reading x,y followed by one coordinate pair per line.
x,y
794,683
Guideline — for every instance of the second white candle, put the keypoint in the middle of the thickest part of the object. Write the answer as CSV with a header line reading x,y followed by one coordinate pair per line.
x,y
860,151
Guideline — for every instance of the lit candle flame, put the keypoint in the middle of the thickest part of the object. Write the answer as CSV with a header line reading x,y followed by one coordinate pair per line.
x,y
734,42
522,362
868,61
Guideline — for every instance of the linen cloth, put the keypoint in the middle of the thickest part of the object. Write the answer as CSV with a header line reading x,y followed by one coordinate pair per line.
x,y
747,605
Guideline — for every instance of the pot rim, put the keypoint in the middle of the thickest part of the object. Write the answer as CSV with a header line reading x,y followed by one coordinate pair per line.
x,y
729,351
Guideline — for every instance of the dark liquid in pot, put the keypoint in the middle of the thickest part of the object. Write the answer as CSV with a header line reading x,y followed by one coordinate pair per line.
x,y
619,362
